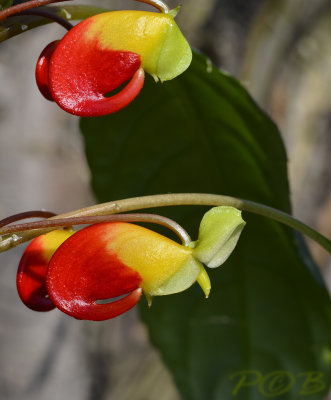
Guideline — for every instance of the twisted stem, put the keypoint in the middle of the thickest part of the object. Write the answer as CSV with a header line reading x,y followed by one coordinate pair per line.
x,y
138,203
65,222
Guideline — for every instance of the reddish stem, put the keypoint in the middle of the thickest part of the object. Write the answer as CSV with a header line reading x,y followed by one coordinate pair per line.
x,y
25,215
25,6
86,220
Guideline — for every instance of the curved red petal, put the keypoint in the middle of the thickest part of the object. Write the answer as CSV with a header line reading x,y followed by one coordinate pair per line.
x,y
42,69
109,105
82,271
82,72
31,277
101,312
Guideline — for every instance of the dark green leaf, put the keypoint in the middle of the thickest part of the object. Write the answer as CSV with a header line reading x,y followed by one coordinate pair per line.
x,y
268,310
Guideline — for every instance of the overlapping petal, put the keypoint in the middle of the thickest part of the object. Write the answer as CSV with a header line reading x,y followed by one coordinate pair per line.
x,y
107,260
32,269
108,50
84,273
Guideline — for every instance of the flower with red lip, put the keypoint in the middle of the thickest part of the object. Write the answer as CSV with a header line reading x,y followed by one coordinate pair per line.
x,y
105,51
32,269
112,259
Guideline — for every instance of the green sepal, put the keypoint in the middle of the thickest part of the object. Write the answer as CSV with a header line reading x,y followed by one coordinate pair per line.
x,y
219,232
181,280
175,11
175,57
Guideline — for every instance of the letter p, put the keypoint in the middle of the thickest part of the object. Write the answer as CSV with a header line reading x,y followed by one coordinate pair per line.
x,y
246,378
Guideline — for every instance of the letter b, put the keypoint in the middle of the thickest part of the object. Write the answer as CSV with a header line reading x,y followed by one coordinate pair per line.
x,y
313,382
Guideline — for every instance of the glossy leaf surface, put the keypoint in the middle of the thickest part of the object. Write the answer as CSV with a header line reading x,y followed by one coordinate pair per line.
x,y
268,310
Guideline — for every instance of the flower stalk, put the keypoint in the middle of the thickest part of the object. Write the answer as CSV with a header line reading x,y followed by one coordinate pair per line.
x,y
25,215
164,200
87,220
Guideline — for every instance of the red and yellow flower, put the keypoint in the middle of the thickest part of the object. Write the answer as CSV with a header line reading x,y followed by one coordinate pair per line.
x,y
74,272
105,51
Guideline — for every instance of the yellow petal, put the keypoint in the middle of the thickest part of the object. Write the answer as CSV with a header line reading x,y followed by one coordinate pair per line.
x,y
52,241
155,257
156,37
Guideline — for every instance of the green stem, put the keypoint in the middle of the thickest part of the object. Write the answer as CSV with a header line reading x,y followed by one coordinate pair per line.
x,y
163,200
88,220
